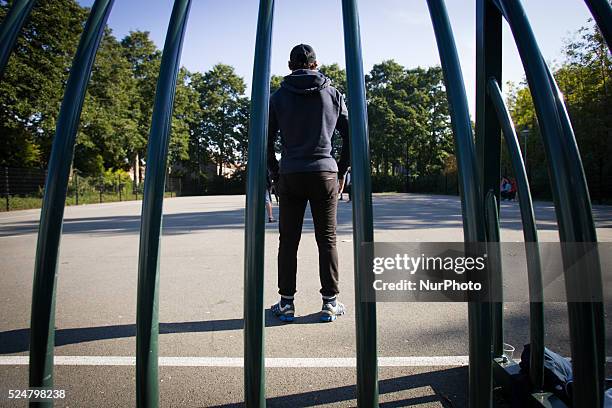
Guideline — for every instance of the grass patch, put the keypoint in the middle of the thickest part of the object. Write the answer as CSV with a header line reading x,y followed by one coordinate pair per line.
x,y
28,202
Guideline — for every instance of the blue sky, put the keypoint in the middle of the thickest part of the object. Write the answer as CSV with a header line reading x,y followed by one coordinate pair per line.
x,y
224,31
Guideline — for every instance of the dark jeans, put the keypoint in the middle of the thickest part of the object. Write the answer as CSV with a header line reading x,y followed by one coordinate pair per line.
x,y
295,190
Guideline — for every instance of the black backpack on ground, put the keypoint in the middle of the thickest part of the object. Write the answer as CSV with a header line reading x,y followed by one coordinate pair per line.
x,y
558,376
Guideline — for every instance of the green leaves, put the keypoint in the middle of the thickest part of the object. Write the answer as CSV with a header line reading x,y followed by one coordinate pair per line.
x,y
408,119
221,128
337,76
585,78
32,87
409,123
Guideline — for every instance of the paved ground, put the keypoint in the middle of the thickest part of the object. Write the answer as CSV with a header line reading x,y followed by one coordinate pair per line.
x,y
201,293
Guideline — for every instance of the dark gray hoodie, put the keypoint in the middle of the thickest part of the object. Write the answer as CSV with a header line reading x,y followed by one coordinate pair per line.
x,y
306,109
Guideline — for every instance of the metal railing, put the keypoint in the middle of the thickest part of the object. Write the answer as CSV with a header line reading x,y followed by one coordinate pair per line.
x,y
479,313
147,305
23,188
42,330
478,168
254,377
571,196
530,234
18,182
363,230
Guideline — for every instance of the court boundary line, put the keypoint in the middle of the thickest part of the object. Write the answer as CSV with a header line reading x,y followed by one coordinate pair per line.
x,y
271,362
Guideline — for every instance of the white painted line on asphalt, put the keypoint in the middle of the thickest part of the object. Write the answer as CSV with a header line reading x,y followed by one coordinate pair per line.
x,y
432,361
14,217
238,361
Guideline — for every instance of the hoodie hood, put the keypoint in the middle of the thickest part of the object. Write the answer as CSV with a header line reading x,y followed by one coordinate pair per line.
x,y
304,81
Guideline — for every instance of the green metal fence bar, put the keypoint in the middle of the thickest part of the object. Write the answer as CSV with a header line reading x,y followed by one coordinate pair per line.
x,y
9,30
573,212
590,278
42,330
530,234
254,376
602,12
363,230
479,313
488,65
488,143
494,268
147,324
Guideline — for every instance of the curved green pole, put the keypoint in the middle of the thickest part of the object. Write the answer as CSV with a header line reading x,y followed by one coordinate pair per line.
x,y
530,234
488,149
254,239
488,64
42,330
479,312
573,210
494,266
363,230
591,277
147,324
602,12
9,30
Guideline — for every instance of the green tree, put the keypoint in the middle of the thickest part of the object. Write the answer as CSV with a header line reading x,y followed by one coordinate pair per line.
x,y
388,115
586,82
185,119
337,76
109,128
144,59
409,122
275,82
32,87
222,125
433,141
584,78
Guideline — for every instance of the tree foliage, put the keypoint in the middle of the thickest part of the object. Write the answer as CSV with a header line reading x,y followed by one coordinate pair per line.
x,y
221,128
585,79
408,119
32,86
408,115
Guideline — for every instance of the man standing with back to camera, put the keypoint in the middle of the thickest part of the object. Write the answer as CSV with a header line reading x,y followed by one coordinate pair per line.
x,y
306,110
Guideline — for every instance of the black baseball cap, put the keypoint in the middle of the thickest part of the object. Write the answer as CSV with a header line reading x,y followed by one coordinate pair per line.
x,y
302,54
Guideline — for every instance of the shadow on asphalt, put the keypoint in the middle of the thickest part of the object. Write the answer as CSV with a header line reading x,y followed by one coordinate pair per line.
x,y
17,341
391,212
448,387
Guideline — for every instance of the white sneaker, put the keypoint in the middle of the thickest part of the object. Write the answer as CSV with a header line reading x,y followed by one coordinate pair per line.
x,y
329,313
286,313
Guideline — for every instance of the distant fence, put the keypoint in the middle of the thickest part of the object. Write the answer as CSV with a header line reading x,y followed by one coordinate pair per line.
x,y
435,183
22,188
426,184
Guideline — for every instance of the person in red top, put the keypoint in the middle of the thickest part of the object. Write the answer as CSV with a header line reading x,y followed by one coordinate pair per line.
x,y
513,189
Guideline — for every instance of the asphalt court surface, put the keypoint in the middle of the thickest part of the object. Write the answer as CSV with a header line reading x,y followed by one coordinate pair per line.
x,y
201,291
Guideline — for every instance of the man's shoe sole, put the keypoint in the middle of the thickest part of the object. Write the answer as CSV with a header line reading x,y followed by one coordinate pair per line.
x,y
286,318
328,318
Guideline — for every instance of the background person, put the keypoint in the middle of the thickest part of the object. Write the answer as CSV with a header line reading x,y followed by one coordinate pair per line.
x,y
513,189
504,188
346,185
269,200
